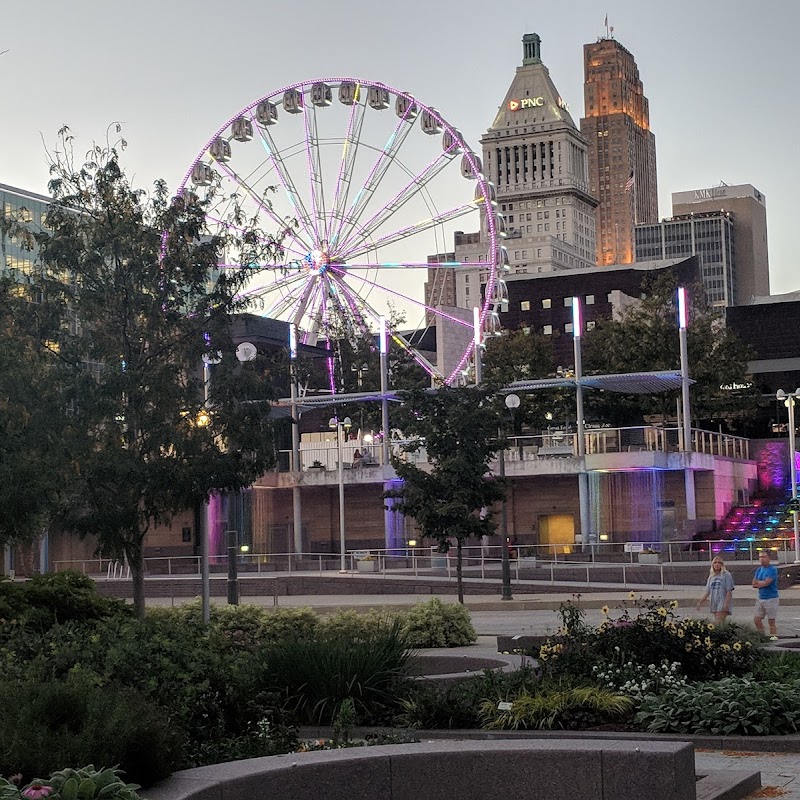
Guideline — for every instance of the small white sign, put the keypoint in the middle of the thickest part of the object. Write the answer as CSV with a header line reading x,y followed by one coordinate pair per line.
x,y
634,547
359,554
504,706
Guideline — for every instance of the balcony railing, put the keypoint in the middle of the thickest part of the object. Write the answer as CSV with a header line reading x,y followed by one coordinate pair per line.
x,y
556,444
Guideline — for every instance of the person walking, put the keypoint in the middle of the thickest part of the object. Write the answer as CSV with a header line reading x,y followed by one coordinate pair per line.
x,y
766,581
719,591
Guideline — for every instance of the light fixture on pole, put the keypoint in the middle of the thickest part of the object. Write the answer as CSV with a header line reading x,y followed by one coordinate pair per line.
x,y
789,399
334,423
512,404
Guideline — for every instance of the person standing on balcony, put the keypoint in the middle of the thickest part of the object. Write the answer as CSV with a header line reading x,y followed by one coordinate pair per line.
x,y
766,581
719,591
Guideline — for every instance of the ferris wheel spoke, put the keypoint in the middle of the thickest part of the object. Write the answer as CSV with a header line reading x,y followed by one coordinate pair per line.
x,y
265,206
353,301
379,168
443,265
276,286
412,230
318,218
230,226
413,187
298,311
346,164
284,178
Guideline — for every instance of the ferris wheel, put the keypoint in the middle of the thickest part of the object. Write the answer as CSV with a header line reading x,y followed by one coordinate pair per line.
x,y
368,188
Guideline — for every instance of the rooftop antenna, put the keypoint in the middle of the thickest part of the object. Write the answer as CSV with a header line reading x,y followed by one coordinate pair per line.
x,y
606,26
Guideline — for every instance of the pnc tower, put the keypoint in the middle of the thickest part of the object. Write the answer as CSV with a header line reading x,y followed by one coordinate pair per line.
x,y
536,158
622,148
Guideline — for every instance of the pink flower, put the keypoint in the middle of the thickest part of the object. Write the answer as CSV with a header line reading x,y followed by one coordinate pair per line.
x,y
36,791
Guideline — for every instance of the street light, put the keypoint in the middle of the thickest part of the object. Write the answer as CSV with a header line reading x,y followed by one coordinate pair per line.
x,y
512,404
789,401
334,423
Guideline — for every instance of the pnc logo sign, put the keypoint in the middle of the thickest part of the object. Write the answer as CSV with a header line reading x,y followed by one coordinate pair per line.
x,y
526,102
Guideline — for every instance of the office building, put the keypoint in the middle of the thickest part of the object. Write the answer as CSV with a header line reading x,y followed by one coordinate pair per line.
x,y
749,209
536,158
622,148
18,254
710,236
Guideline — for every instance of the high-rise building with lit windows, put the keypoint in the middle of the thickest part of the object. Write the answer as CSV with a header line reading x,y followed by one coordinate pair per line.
x,y
536,158
17,259
622,148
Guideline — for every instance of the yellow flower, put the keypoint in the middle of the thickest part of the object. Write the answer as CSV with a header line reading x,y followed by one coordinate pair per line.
x,y
680,633
673,603
737,646
708,641
631,595
604,609
725,647
688,648
662,612
710,626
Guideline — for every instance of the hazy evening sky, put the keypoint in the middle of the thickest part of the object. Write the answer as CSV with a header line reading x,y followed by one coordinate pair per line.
x,y
721,77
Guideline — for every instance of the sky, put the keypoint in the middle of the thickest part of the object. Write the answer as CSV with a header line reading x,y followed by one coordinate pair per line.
x,y
719,75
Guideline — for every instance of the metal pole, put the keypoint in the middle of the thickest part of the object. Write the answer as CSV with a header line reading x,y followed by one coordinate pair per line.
x,y
688,475
583,478
476,317
342,562
205,578
296,466
233,578
504,562
384,364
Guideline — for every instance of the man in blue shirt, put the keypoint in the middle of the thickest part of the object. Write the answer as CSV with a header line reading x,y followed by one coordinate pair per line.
x,y
766,581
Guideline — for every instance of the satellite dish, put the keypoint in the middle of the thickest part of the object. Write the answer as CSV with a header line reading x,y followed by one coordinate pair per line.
x,y
246,351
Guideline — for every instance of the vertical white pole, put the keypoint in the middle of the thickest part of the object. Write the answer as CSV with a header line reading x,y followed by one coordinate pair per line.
x,y
205,578
688,475
476,321
342,559
296,466
384,352
583,478
793,475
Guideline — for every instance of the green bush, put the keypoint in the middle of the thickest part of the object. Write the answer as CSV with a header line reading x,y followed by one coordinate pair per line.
x,y
732,706
558,706
324,672
46,600
438,624
647,632
355,624
47,725
430,705
780,667
86,783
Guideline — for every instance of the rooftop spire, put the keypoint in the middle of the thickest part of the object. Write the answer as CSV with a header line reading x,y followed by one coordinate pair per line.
x,y
531,49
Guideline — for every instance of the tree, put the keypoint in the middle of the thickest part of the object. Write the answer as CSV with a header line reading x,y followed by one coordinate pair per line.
x,y
128,306
646,338
453,499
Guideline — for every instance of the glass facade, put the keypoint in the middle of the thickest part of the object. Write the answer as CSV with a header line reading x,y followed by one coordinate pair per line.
x,y
18,252
708,236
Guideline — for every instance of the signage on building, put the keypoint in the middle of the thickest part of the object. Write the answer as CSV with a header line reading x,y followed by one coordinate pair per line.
x,y
526,102
710,194
562,103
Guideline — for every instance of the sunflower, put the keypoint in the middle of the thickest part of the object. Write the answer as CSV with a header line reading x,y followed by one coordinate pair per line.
x,y
673,603
631,595
604,609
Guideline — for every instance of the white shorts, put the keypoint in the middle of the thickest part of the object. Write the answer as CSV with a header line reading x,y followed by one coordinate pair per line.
x,y
767,608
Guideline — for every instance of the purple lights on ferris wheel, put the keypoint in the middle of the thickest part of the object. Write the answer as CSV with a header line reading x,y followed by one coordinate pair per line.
x,y
338,242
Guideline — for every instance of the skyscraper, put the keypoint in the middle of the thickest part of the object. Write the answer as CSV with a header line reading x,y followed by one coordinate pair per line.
x,y
749,209
535,156
622,148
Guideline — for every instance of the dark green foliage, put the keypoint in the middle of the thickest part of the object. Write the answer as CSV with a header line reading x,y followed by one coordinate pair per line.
x,y
320,674
431,705
647,632
47,725
46,600
727,707
777,667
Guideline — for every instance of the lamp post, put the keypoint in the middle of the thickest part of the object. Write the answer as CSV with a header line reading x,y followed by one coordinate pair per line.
x,y
789,401
512,403
334,423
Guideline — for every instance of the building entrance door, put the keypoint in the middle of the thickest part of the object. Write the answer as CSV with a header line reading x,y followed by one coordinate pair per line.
x,y
557,531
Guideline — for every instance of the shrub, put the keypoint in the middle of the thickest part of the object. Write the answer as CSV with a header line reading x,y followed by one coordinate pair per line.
x,y
780,667
732,706
430,705
86,783
46,600
324,672
558,706
438,624
651,634
639,680
47,725
355,624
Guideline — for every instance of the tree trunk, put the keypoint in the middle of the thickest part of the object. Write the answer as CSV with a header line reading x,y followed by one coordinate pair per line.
x,y
459,579
136,563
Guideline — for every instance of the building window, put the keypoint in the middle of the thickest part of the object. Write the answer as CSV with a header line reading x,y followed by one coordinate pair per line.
x,y
589,299
546,303
525,305
547,330
568,327
568,302
590,325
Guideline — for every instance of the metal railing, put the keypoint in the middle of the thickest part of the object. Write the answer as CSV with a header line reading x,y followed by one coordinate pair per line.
x,y
556,444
